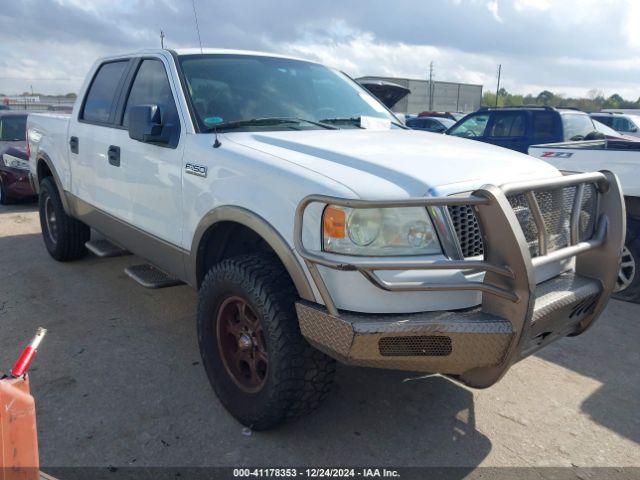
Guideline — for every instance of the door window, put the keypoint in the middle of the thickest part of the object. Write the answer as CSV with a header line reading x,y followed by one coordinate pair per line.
x,y
543,125
508,124
101,97
151,87
472,127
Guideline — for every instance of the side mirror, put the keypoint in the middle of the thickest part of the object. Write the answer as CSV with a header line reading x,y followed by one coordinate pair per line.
x,y
145,124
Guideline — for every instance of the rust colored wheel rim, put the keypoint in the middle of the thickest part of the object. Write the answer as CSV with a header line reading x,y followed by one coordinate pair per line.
x,y
241,344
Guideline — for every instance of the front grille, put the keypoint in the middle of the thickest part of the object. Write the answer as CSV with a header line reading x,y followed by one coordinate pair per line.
x,y
415,346
555,206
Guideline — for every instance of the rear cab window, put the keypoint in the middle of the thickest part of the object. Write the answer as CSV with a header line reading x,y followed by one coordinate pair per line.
x,y
101,98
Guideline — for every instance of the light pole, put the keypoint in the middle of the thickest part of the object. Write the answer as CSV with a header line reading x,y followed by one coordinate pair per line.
x,y
498,87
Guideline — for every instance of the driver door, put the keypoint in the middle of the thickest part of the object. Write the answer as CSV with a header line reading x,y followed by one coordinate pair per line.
x,y
150,174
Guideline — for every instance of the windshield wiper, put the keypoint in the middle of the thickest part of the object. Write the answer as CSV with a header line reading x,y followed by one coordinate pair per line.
x,y
355,121
266,121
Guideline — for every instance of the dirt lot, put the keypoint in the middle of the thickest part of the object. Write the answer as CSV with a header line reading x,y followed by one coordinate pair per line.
x,y
119,382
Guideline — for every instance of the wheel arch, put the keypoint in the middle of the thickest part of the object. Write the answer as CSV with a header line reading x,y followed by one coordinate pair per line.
x,y
215,233
45,168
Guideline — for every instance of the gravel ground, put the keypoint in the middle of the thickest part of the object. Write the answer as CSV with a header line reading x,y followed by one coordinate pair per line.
x,y
119,382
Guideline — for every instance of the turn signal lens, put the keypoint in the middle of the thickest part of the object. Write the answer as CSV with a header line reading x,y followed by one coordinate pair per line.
x,y
334,221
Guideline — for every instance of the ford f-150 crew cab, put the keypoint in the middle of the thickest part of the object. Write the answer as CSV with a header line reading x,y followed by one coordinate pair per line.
x,y
317,227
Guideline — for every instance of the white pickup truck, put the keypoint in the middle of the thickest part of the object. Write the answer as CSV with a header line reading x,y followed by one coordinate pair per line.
x,y
316,227
622,158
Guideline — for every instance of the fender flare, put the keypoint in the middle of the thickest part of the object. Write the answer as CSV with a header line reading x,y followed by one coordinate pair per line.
x,y
43,157
242,216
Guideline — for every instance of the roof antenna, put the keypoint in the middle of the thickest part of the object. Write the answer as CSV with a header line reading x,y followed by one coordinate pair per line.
x,y
216,142
195,16
162,35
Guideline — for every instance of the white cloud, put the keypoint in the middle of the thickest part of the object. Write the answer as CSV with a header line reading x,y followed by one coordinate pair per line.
x,y
568,46
631,27
539,5
493,8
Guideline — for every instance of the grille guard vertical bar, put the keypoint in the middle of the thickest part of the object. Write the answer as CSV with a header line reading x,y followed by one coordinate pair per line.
x,y
541,226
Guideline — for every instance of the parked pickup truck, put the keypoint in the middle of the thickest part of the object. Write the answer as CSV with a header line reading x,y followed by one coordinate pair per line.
x,y
622,158
316,227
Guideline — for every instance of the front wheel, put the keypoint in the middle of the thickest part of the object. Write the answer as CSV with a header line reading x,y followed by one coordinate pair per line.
x,y
259,364
628,284
64,236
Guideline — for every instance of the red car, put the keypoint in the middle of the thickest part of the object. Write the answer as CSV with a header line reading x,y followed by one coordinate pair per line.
x,y
14,161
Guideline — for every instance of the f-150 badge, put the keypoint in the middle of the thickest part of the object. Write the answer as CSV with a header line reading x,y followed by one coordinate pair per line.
x,y
194,169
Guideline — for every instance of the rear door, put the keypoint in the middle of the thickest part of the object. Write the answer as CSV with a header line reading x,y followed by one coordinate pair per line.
x,y
149,175
508,129
545,127
90,134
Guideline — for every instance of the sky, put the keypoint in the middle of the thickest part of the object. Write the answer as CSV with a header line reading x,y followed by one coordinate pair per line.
x,y
567,46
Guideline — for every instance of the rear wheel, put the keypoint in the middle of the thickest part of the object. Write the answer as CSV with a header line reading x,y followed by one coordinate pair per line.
x,y
64,236
259,364
628,284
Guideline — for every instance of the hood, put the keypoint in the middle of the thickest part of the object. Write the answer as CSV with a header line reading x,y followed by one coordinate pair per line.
x,y
397,163
387,92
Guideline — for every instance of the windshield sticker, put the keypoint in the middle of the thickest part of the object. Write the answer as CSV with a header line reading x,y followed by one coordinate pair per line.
x,y
213,121
375,123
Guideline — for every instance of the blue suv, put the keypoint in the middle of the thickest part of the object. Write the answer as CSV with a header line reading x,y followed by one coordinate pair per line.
x,y
517,128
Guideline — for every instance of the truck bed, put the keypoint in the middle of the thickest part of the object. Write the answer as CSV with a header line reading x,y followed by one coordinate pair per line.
x,y
618,156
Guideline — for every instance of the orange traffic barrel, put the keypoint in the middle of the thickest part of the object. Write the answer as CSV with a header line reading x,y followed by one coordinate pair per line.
x,y
18,434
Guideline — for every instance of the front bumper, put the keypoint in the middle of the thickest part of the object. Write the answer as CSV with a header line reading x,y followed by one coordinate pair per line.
x,y
516,317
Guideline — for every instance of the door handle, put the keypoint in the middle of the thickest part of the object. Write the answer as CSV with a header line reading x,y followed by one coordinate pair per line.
x,y
113,154
73,144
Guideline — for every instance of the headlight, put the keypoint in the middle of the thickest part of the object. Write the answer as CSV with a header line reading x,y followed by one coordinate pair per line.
x,y
15,162
378,231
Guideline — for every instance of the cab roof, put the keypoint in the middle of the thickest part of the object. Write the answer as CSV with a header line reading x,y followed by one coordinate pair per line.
x,y
208,51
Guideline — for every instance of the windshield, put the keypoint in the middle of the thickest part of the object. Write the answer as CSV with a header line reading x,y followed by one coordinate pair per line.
x,y
13,128
244,88
576,126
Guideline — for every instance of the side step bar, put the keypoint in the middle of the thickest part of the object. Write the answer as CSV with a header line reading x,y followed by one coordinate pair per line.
x,y
150,277
103,248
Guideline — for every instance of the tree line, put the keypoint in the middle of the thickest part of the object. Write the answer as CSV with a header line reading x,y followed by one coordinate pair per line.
x,y
593,102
